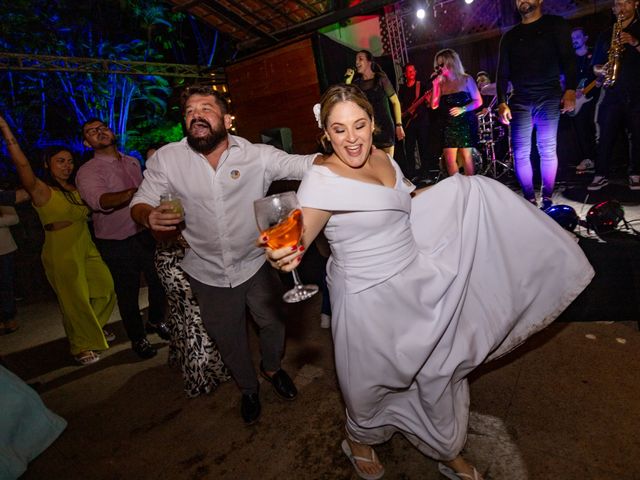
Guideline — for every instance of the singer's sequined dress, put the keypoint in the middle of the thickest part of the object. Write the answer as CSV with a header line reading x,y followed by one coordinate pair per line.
x,y
460,131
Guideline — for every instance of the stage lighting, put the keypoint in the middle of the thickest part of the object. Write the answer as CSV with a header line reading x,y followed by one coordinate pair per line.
x,y
604,217
564,215
468,2
421,13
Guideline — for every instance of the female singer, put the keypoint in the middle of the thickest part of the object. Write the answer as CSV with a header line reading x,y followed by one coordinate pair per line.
x,y
370,78
457,96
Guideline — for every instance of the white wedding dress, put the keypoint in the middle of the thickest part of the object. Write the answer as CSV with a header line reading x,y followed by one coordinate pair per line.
x,y
423,290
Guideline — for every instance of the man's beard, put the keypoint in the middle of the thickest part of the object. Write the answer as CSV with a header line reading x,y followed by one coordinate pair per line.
x,y
525,8
209,142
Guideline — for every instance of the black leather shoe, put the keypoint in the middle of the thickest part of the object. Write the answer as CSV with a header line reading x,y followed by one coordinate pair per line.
x,y
250,408
282,383
143,348
161,328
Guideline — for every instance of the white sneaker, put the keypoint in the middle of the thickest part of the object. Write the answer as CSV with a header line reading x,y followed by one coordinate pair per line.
x,y
325,320
597,183
586,164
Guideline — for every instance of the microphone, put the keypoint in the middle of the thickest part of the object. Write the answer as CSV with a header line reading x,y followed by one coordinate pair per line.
x,y
349,73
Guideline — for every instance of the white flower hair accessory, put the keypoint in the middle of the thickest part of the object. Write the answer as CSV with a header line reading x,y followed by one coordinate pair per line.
x,y
316,113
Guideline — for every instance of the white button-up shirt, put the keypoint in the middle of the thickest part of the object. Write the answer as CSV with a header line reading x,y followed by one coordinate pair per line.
x,y
218,203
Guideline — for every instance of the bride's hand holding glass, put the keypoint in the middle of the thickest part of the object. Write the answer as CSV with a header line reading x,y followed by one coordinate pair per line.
x,y
279,219
284,259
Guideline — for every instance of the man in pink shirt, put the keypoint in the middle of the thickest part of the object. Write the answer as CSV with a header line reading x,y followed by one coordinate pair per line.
x,y
107,183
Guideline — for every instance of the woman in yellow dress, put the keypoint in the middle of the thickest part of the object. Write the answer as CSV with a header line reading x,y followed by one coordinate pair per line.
x,y
72,263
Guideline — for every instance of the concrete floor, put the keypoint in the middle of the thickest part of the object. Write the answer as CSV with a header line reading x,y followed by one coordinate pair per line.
x,y
563,406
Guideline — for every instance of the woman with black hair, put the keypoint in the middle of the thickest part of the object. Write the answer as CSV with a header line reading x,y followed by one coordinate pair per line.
x,y
73,266
375,84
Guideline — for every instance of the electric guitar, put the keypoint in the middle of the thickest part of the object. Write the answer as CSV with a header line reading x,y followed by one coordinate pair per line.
x,y
410,113
582,99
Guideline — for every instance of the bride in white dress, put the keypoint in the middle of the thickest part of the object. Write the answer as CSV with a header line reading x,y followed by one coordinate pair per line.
x,y
423,289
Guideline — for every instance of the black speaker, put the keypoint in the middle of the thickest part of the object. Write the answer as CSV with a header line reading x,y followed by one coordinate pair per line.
x,y
278,137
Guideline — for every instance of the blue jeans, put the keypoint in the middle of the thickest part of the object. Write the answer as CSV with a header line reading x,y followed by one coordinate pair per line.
x,y
542,114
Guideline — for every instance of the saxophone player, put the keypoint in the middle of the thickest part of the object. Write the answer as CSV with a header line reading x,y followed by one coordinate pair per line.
x,y
617,60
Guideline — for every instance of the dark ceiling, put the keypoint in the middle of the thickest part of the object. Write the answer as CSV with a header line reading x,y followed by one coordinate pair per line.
x,y
257,24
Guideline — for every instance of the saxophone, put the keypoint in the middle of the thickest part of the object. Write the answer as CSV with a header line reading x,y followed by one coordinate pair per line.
x,y
612,67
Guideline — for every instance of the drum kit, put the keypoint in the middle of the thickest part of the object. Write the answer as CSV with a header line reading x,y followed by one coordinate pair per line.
x,y
494,139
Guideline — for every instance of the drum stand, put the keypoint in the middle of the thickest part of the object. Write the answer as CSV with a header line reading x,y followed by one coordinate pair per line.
x,y
495,168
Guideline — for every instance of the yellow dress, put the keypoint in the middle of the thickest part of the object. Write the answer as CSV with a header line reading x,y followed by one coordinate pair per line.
x,y
77,273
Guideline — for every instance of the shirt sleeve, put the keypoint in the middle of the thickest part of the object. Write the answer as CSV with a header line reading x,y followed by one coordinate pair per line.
x,y
503,73
92,186
284,166
154,184
8,217
567,55
386,84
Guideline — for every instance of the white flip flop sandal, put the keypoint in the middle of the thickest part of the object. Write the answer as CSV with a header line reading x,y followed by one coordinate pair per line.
x,y
453,475
346,448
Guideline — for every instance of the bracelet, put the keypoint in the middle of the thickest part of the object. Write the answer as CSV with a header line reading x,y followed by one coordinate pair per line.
x,y
398,124
464,109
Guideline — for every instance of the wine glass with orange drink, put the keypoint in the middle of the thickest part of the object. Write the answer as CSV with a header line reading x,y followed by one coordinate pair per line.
x,y
279,218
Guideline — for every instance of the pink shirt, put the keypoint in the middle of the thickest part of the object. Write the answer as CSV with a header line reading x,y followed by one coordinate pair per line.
x,y
105,174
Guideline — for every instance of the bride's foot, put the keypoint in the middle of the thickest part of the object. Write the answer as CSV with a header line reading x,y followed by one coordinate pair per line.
x,y
459,469
364,459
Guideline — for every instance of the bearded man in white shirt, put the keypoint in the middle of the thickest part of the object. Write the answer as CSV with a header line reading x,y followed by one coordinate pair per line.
x,y
218,176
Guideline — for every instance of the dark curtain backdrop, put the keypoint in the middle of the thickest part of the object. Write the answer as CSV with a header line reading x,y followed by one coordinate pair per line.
x,y
333,59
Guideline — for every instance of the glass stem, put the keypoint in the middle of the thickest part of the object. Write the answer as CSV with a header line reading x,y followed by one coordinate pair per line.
x,y
296,278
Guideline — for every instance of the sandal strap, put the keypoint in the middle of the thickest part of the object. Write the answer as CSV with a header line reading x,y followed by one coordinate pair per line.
x,y
87,356
363,459
476,475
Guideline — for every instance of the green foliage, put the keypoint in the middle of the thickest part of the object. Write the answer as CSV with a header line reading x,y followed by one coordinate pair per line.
x,y
164,132
50,106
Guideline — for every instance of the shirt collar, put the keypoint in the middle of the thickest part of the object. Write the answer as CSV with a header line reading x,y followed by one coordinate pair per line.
x,y
232,142
103,157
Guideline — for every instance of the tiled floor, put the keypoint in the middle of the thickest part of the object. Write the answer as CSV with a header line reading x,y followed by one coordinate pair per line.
x,y
564,406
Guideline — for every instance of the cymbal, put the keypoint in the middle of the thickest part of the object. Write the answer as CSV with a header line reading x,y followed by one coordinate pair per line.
x,y
489,89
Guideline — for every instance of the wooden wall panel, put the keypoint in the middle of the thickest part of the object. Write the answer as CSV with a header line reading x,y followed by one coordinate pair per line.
x,y
277,89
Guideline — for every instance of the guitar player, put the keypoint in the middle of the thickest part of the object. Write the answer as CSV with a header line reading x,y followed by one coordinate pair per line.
x,y
583,117
415,118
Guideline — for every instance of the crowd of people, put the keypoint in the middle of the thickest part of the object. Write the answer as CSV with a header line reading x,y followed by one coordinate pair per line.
x,y
419,257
